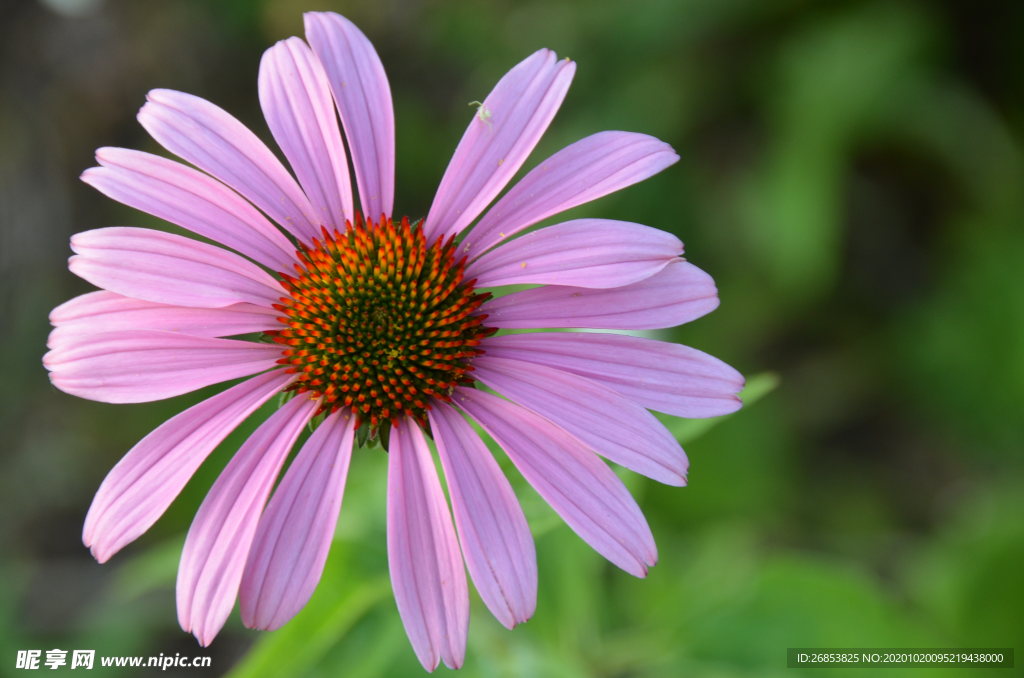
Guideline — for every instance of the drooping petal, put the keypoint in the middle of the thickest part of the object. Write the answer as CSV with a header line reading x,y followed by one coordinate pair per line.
x,y
218,541
608,423
503,132
137,366
169,269
495,537
659,375
586,170
191,199
572,479
105,311
596,253
676,294
295,533
363,96
297,104
143,484
423,553
211,139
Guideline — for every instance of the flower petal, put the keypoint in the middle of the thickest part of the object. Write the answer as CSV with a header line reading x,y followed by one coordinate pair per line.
x,y
586,170
503,132
677,294
138,366
578,485
191,199
218,541
104,311
295,533
583,253
297,104
423,553
495,537
143,484
659,375
211,139
363,96
169,269
613,426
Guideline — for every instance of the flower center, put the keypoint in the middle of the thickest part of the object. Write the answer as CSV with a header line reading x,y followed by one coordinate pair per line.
x,y
380,322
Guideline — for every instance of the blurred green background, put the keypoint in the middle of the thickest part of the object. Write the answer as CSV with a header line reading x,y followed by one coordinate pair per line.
x,y
851,175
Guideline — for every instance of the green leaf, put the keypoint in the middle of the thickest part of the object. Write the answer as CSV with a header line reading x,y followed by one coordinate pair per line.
x,y
325,620
154,569
686,430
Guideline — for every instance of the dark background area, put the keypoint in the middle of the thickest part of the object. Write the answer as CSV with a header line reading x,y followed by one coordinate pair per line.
x,y
851,175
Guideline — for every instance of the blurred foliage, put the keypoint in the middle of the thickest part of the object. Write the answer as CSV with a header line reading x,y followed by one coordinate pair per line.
x,y
851,175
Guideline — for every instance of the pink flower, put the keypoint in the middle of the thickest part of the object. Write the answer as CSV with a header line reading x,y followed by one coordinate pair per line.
x,y
378,322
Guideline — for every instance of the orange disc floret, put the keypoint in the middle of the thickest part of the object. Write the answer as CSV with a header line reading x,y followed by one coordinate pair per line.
x,y
380,322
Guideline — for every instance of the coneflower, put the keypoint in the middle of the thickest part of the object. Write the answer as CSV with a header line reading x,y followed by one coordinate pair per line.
x,y
380,325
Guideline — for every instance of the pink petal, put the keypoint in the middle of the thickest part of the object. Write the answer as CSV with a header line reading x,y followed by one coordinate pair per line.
x,y
586,170
608,423
363,96
295,533
218,542
137,366
572,479
677,294
143,484
659,375
501,135
423,554
103,311
582,253
495,537
189,198
208,137
297,104
169,269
